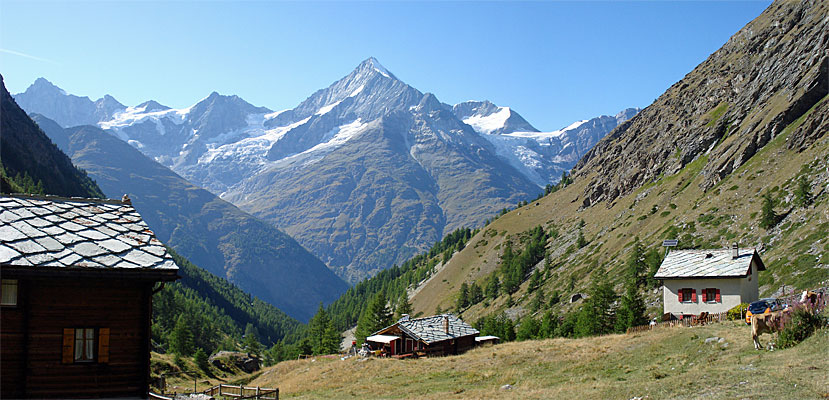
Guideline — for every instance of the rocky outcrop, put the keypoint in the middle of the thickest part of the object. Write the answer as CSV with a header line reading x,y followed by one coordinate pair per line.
x,y
234,360
769,74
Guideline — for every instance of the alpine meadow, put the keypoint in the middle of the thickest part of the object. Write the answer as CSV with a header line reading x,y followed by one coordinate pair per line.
x,y
653,224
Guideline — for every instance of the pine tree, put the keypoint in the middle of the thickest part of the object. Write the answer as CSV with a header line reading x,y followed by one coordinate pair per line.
x,y
331,340
580,240
251,343
636,265
528,329
463,297
631,308
555,297
317,327
652,259
549,324
181,338
768,218
200,357
476,294
803,192
375,316
535,280
403,306
492,286
537,302
597,316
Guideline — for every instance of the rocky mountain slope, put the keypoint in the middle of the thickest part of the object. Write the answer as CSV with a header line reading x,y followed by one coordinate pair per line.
x,y
751,126
209,231
364,173
26,151
766,76
45,98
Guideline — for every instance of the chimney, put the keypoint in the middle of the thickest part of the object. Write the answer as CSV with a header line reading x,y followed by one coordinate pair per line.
x,y
446,324
735,251
126,200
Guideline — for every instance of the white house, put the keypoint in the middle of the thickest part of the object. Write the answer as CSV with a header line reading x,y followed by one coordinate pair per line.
x,y
713,281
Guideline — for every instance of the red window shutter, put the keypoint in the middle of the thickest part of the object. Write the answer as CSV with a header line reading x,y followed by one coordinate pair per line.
x,y
718,296
693,295
704,295
679,293
68,355
103,345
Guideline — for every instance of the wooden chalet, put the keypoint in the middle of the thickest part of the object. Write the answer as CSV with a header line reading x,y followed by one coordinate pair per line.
x,y
436,335
77,282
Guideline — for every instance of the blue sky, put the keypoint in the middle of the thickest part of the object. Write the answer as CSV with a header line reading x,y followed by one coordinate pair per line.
x,y
553,62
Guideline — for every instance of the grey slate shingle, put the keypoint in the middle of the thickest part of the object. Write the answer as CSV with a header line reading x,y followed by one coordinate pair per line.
x,y
432,329
706,264
59,232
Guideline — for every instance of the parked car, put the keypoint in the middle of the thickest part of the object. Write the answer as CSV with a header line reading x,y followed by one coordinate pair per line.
x,y
763,306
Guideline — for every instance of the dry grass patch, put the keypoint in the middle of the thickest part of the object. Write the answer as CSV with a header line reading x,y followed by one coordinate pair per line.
x,y
666,363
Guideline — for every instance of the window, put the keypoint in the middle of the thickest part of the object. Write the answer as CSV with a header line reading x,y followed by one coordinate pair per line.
x,y
711,295
8,297
85,345
687,295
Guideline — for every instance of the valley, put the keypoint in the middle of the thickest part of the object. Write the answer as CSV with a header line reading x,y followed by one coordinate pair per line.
x,y
371,205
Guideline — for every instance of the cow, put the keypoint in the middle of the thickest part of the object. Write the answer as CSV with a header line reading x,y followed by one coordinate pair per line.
x,y
809,298
764,323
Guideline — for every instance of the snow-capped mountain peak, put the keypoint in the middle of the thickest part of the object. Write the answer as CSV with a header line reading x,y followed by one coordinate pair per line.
x,y
487,118
372,64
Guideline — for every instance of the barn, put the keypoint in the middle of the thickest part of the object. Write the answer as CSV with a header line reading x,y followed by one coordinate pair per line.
x,y
436,335
77,282
712,281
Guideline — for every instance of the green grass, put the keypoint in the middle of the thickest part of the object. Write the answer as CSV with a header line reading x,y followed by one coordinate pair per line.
x,y
714,115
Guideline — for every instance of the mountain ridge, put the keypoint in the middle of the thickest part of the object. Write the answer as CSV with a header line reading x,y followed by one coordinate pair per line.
x,y
752,94
209,231
254,158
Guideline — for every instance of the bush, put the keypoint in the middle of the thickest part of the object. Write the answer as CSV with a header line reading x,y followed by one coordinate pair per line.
x,y
803,323
736,313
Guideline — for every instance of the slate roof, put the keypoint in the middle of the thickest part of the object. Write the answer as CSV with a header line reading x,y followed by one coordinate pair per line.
x,y
46,231
708,264
431,329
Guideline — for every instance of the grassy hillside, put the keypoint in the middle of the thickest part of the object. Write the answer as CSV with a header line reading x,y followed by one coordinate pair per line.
x,y
671,363
675,206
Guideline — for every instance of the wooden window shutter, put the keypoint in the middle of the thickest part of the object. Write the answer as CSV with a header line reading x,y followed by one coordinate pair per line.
x,y
704,295
68,346
718,296
679,294
103,345
693,295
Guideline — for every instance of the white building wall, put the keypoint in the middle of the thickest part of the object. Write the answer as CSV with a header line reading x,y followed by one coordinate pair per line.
x,y
751,289
733,291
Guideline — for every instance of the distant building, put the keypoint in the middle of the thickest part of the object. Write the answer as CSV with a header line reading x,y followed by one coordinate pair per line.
x,y
437,335
712,281
77,282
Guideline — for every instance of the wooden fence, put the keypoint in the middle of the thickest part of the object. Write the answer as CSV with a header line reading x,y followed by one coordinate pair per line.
x,y
792,299
691,321
243,392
